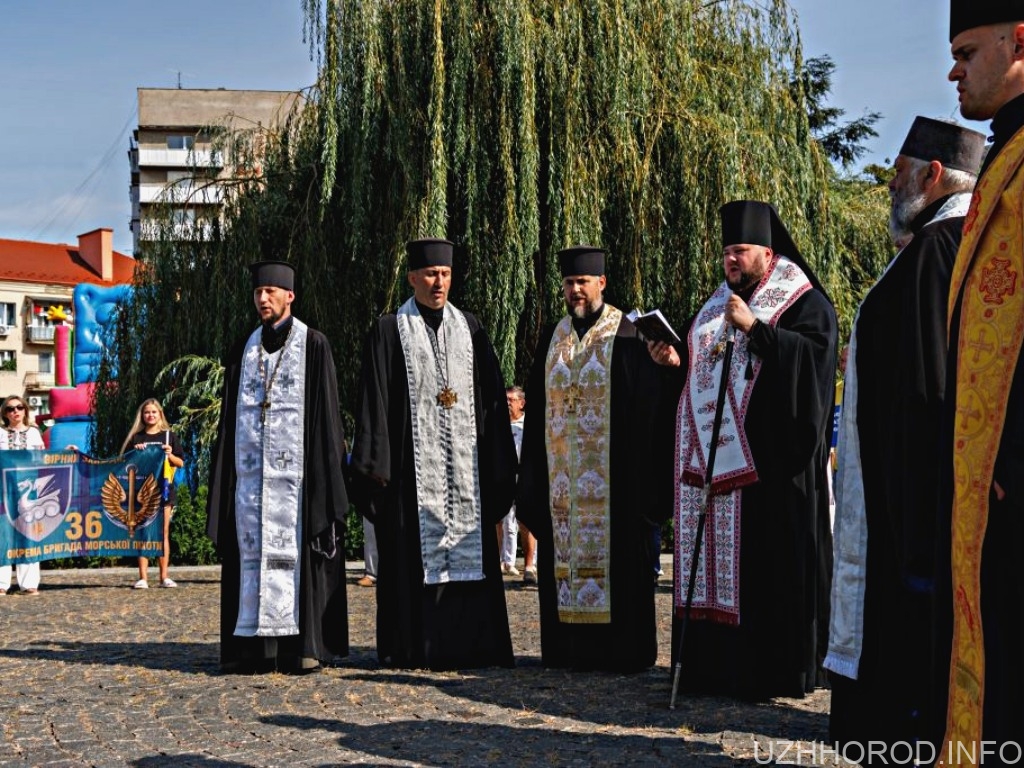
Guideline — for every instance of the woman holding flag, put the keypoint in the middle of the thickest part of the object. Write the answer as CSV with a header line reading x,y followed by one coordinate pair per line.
x,y
151,428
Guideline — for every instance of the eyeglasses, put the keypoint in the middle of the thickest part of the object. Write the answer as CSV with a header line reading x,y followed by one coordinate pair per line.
x,y
10,408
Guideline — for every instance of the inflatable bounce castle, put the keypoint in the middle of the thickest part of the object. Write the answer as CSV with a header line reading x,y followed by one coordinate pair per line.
x,y
77,357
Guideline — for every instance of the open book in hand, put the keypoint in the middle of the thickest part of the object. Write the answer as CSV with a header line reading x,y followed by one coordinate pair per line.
x,y
653,326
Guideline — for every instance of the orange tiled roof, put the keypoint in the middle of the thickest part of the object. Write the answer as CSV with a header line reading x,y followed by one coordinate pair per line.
x,y
58,264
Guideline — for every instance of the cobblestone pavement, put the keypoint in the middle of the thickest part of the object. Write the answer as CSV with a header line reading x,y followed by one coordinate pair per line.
x,y
93,673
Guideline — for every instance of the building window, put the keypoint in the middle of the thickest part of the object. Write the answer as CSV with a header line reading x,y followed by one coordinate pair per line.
x,y
181,142
46,362
8,314
8,360
184,217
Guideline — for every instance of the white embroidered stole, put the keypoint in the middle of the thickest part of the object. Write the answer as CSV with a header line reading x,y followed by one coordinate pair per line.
x,y
578,390
444,442
850,537
717,592
269,464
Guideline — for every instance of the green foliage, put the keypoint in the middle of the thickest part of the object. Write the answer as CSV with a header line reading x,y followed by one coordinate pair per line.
x,y
11,364
194,385
353,534
189,543
92,561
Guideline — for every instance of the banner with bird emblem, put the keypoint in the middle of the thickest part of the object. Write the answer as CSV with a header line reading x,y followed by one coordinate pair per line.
x,y
56,504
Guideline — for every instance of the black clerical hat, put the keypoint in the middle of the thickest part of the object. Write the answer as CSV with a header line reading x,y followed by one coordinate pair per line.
x,y
429,252
756,223
581,260
751,222
968,14
280,274
952,145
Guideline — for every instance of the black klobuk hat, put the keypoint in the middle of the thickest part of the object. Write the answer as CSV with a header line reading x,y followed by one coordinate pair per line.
x,y
953,145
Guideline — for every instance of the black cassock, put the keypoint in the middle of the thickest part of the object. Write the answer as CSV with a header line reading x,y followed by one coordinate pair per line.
x,y
323,609
785,529
901,377
629,642
458,625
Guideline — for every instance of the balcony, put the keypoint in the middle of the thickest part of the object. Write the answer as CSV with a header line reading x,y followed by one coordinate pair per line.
x,y
177,158
39,334
35,381
208,193
151,230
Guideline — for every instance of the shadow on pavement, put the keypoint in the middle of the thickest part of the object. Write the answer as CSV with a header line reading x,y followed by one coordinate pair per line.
x,y
448,743
609,699
190,658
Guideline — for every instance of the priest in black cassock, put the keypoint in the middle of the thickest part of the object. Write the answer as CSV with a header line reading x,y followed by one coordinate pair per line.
x,y
585,487
883,686
277,502
760,608
433,468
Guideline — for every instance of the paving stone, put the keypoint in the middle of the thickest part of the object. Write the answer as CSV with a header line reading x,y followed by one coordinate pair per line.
x,y
96,674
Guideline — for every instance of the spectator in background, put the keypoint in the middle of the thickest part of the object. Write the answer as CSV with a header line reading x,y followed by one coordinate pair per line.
x,y
516,399
151,428
369,578
17,435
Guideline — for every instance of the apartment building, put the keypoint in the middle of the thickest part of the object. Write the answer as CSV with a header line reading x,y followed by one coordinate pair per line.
x,y
179,170
37,281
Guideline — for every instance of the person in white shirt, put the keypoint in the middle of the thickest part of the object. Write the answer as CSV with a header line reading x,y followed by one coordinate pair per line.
x,y
18,435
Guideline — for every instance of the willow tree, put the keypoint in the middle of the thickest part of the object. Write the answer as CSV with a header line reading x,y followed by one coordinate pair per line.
x,y
514,128
518,127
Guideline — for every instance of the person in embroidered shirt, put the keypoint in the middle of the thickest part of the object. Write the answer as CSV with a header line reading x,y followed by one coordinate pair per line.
x,y
277,499
883,686
760,609
433,468
584,479
980,633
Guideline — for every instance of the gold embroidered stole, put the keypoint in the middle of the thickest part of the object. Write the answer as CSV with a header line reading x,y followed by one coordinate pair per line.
x,y
579,399
987,273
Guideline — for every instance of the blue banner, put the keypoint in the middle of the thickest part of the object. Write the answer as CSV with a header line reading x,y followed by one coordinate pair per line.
x,y
57,504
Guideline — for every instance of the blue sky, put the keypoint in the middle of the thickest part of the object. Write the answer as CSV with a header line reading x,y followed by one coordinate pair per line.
x,y
891,56
69,70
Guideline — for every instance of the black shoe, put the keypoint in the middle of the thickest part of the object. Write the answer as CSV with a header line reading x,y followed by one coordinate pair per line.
x,y
248,667
300,665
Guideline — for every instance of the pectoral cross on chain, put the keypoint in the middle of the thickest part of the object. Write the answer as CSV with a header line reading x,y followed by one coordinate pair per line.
x,y
447,397
264,407
573,395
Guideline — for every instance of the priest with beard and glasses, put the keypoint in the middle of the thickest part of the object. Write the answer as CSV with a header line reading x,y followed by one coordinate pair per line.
x,y
760,605
883,585
277,499
585,487
433,468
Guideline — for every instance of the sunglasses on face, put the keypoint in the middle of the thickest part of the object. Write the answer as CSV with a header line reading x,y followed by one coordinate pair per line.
x,y
10,408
